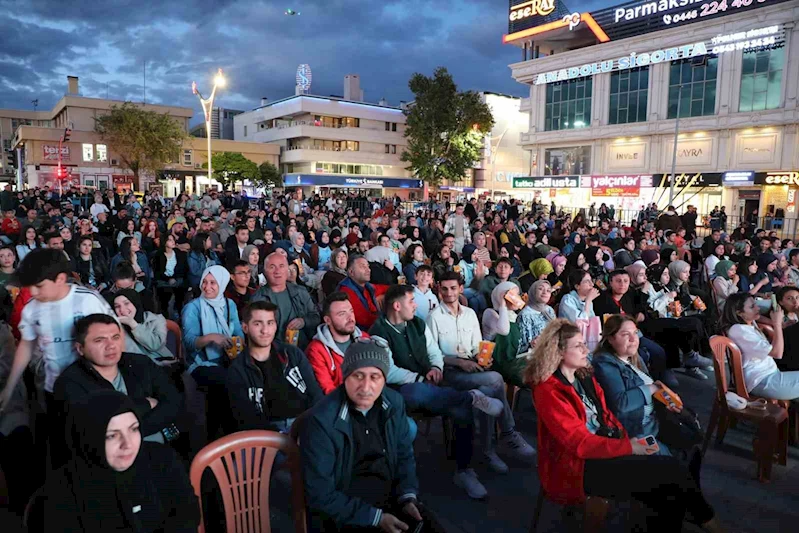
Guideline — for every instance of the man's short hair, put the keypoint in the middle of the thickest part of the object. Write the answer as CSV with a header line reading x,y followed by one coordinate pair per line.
x,y
782,291
617,272
792,253
239,263
450,276
123,270
85,238
446,236
424,268
82,326
42,264
52,235
241,227
260,305
394,294
504,260
337,296
352,259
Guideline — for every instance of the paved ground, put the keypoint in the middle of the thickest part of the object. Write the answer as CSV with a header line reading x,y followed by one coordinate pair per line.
x,y
744,505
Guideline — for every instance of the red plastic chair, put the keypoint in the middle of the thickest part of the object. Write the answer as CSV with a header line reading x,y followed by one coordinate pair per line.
x,y
242,464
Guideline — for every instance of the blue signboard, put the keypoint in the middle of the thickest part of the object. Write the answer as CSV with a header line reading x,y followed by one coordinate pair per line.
x,y
337,180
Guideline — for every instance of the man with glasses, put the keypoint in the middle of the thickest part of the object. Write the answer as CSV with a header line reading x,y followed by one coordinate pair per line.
x,y
239,289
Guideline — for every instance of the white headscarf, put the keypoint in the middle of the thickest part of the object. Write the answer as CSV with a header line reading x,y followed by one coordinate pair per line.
x,y
498,294
214,312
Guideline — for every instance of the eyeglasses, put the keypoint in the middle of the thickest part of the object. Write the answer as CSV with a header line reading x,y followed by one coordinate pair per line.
x,y
379,341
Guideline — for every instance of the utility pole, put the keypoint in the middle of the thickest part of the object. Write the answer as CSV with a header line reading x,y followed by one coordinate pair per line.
x,y
674,152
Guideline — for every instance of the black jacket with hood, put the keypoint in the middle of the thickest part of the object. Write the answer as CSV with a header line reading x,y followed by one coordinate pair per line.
x,y
245,382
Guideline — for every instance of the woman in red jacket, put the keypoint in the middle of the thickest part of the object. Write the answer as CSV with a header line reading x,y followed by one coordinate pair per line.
x,y
583,449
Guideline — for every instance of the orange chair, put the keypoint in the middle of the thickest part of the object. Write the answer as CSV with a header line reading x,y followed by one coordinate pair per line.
x,y
173,329
242,464
772,423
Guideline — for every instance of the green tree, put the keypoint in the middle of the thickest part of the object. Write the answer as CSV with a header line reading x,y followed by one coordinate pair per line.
x,y
444,127
268,176
230,167
143,140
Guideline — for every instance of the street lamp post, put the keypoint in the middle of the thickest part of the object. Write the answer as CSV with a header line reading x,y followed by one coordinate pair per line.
x,y
674,152
208,106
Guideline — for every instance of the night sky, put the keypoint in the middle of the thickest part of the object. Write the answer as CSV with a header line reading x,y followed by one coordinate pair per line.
x,y
107,42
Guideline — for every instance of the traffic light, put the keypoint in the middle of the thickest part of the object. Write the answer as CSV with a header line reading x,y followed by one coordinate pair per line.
x,y
11,158
67,133
62,173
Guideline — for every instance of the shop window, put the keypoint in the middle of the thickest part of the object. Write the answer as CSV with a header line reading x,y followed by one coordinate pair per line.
x,y
88,152
698,81
568,104
102,153
567,161
761,79
629,91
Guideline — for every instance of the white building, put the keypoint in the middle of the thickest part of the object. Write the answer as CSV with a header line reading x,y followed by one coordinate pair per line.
x,y
605,89
328,141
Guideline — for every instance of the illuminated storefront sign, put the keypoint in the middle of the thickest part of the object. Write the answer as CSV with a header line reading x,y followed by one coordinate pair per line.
x,y
323,180
690,179
530,9
787,177
737,178
547,182
50,152
619,186
719,44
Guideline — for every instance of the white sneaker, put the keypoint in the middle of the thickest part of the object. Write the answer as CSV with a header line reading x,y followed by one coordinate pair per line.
x,y
495,463
490,406
515,446
467,480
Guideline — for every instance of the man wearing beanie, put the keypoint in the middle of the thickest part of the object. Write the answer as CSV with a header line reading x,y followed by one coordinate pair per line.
x,y
417,372
357,451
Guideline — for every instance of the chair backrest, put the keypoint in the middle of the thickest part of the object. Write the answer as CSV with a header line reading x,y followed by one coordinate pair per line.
x,y
174,339
768,331
242,464
725,350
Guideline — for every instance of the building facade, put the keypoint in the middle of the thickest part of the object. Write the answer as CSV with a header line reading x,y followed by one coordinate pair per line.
x,y
221,124
326,142
91,163
606,89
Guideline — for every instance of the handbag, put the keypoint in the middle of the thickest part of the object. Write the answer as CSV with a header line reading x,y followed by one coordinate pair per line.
x,y
681,431
591,329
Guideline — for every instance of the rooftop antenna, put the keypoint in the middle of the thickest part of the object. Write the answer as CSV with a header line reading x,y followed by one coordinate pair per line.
x,y
35,103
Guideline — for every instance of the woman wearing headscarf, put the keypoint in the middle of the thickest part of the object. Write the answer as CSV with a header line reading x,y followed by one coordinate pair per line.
x,y
337,272
667,255
209,323
595,258
650,257
500,326
557,278
766,265
535,316
115,481
252,255
725,283
413,235
575,244
484,254
320,251
297,253
473,271
507,250
145,332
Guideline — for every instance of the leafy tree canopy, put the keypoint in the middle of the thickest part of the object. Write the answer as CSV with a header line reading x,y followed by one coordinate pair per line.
x,y
231,167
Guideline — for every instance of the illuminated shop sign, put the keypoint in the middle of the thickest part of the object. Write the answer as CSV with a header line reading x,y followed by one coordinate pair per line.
x,y
777,178
719,44
547,182
619,186
629,19
530,9
690,179
738,177
323,180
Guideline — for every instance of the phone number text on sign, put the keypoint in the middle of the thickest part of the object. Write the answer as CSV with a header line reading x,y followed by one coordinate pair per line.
x,y
708,9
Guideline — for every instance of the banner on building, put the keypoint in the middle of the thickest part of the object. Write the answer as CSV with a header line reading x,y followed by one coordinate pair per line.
x,y
50,152
619,186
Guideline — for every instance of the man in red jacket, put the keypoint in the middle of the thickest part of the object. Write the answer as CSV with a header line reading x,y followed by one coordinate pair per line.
x,y
362,294
326,351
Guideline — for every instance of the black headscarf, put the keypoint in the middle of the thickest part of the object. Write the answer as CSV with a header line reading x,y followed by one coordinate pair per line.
x,y
105,498
665,255
590,255
134,298
653,274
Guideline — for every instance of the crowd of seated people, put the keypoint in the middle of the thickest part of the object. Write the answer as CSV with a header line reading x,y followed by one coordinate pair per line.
x,y
369,316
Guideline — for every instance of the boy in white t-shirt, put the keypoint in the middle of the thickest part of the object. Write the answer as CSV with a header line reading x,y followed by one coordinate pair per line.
x,y
48,321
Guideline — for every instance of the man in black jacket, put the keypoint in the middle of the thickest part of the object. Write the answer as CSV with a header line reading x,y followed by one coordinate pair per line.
x,y
270,383
103,365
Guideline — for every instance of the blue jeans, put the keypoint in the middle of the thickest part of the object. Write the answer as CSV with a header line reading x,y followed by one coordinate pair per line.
x,y
475,300
779,386
492,385
445,401
653,355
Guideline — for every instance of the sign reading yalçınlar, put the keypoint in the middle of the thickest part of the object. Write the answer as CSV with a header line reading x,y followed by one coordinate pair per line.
x,y
617,186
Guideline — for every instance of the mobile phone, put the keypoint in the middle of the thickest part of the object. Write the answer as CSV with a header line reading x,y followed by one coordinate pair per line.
x,y
650,442
774,304
419,526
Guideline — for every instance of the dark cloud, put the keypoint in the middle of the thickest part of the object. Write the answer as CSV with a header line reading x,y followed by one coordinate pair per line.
x,y
108,43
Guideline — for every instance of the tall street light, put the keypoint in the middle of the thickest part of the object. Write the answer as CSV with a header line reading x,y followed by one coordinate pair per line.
x,y
208,106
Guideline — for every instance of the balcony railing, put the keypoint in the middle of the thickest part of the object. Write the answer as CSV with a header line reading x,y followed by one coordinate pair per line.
x,y
317,124
321,148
